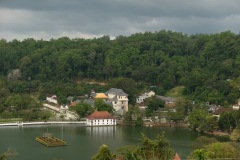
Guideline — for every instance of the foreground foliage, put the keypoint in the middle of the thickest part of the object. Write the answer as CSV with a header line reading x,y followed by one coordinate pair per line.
x,y
209,148
8,154
158,148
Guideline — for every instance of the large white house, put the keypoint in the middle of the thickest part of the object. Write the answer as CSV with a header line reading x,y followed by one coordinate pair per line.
x,y
118,98
100,118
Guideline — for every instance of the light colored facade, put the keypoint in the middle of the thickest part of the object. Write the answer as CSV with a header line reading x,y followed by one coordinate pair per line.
x,y
236,106
52,99
100,118
118,98
150,93
142,97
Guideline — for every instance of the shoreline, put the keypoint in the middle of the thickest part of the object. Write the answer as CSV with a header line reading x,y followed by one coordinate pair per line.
x,y
40,123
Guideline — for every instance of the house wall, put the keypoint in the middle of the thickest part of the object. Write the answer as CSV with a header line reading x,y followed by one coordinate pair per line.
x,y
236,107
150,94
140,100
101,122
50,99
110,95
121,103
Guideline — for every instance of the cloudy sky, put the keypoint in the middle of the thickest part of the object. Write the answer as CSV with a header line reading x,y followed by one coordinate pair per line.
x,y
45,19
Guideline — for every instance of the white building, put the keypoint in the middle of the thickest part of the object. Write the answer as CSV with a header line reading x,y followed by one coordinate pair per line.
x,y
142,97
52,99
236,106
100,118
64,108
118,98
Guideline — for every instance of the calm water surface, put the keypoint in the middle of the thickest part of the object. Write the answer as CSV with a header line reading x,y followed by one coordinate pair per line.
x,y
85,141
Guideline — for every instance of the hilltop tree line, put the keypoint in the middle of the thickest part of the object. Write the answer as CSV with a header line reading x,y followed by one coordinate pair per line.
x,y
207,65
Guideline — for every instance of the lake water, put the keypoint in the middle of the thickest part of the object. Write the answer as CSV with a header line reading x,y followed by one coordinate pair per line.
x,y
85,141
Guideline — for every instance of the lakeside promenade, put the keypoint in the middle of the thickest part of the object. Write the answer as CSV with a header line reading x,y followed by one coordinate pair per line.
x,y
41,123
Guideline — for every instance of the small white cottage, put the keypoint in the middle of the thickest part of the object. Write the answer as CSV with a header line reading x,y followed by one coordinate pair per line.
x,y
52,99
100,118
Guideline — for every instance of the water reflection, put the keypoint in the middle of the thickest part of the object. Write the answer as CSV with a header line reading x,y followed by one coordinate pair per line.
x,y
101,132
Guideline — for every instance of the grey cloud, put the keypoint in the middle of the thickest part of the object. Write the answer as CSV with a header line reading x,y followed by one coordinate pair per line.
x,y
116,17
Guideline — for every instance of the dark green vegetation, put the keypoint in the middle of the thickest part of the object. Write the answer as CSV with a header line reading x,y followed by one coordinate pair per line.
x,y
8,154
158,148
207,65
209,148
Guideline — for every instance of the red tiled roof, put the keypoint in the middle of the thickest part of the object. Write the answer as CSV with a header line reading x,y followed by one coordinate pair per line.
x,y
100,115
221,110
74,103
142,104
176,157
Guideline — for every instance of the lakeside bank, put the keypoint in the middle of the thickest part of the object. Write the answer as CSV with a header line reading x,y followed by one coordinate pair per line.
x,y
41,123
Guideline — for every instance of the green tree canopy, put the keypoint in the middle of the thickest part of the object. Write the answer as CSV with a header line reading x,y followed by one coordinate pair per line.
x,y
221,150
100,105
83,109
153,104
104,153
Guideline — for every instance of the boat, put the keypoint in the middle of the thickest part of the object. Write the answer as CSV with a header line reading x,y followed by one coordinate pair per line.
x,y
50,141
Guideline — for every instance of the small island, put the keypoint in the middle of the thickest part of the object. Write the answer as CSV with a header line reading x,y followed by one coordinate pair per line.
x,y
50,141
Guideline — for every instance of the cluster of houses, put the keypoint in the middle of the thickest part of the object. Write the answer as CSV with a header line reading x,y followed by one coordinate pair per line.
x,y
217,110
118,99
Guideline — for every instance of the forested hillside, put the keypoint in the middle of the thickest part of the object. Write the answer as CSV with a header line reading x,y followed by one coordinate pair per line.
x,y
207,65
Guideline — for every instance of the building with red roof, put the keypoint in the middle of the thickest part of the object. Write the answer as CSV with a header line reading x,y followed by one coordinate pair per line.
x,y
176,157
100,118
220,111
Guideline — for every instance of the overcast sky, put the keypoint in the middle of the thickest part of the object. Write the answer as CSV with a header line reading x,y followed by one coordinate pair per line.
x,y
45,19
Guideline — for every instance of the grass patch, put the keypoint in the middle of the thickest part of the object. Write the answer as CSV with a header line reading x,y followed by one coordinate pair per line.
x,y
176,92
11,120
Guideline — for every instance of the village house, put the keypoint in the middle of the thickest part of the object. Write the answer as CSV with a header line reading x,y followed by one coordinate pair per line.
x,y
52,99
236,106
219,111
100,118
64,108
142,106
118,98
70,99
212,108
142,97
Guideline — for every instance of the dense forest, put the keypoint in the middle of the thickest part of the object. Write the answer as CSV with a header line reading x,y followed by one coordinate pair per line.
x,y
208,66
